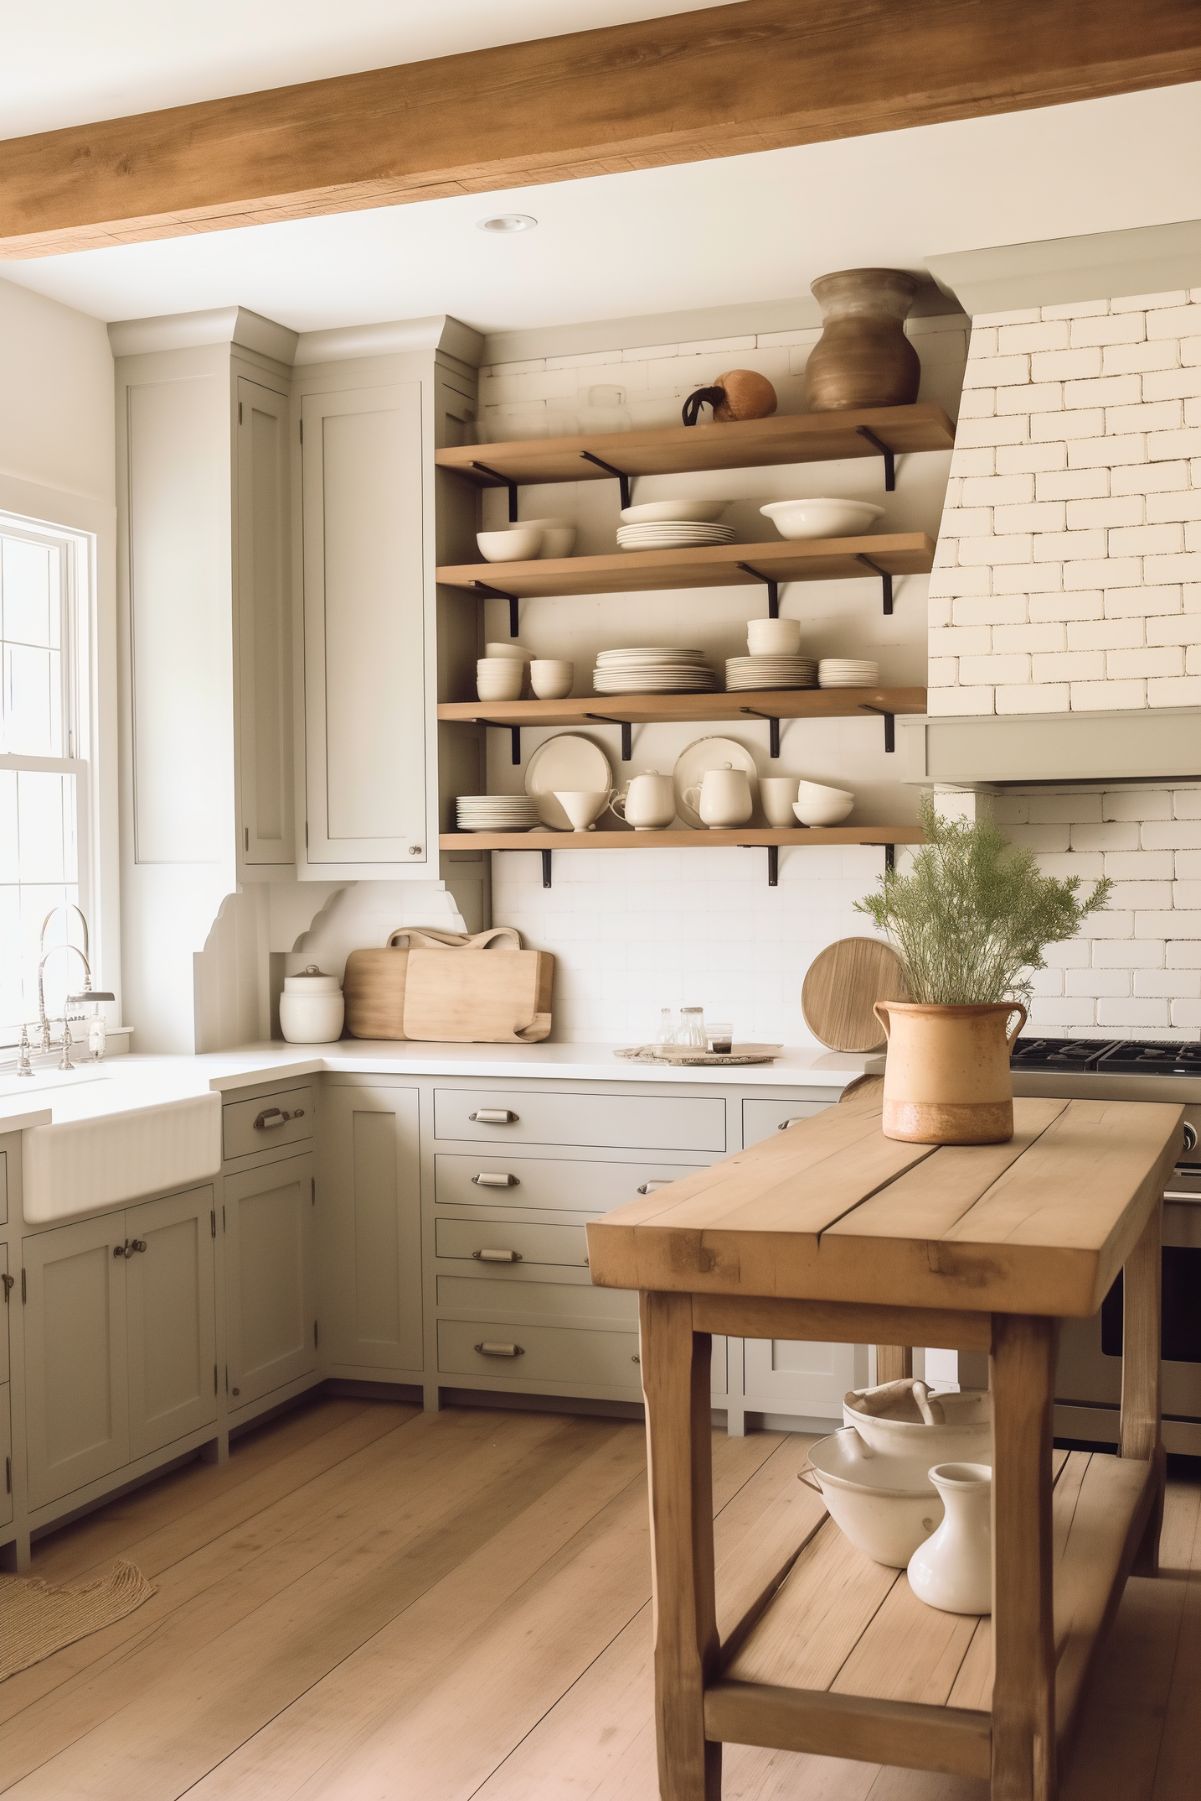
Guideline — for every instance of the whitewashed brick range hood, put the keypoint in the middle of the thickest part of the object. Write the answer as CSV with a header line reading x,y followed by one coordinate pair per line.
x,y
1065,603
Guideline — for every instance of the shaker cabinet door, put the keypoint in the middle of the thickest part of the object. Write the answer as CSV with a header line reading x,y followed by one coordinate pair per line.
x,y
264,627
77,1395
805,1381
270,1312
371,1220
364,577
170,1305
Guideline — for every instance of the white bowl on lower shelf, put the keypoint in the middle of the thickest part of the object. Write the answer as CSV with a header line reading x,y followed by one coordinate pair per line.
x,y
886,1506
517,544
823,518
817,805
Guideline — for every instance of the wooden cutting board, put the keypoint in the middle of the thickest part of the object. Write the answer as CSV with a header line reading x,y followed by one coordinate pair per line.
x,y
375,981
841,986
471,996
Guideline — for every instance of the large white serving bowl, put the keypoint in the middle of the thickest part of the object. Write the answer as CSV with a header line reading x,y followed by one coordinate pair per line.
x,y
673,512
818,805
963,1435
886,1506
824,518
516,544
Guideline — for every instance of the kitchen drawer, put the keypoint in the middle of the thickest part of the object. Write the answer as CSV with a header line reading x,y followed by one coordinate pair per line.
x,y
625,1122
6,1456
509,1244
268,1121
3,1188
543,1354
761,1118
566,1185
517,1294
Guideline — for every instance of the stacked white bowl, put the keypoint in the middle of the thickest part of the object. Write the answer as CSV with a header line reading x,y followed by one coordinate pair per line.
x,y
500,678
774,661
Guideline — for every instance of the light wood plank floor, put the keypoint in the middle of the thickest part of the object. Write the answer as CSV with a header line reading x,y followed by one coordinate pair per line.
x,y
371,1603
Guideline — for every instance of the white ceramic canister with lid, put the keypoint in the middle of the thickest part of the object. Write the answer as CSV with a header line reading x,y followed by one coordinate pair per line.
x,y
311,1007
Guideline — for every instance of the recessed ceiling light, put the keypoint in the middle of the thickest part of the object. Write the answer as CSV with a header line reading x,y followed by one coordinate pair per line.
x,y
508,222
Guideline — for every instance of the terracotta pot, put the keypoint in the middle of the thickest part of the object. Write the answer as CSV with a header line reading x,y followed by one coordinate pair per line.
x,y
863,357
947,1080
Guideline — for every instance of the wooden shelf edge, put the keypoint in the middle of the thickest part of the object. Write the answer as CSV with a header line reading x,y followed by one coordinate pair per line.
x,y
750,838
665,709
955,1741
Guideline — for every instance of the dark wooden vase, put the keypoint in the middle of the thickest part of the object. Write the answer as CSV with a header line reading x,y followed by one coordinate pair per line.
x,y
863,358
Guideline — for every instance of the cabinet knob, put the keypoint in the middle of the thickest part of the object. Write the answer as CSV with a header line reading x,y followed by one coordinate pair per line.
x,y
493,1116
488,1348
494,1178
487,1256
121,1250
136,1244
414,850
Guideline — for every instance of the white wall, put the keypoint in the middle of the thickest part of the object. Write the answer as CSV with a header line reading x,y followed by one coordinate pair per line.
x,y
635,933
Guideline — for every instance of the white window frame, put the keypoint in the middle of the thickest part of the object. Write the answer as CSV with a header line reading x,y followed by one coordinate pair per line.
x,y
71,527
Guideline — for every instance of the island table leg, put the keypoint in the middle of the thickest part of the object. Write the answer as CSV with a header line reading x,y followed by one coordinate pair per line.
x,y
1140,1430
1023,1709
675,1382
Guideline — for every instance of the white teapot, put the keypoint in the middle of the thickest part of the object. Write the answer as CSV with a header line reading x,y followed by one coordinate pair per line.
x,y
722,798
648,804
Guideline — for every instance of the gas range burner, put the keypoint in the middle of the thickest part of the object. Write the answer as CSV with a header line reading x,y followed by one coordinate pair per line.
x,y
1110,1057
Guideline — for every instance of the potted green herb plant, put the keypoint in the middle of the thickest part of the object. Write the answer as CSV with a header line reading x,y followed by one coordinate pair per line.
x,y
970,919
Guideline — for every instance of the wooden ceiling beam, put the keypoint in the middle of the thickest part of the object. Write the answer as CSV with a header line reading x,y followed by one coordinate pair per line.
x,y
753,76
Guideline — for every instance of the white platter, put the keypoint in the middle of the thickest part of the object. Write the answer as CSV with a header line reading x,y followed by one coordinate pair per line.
x,y
709,753
654,512
569,763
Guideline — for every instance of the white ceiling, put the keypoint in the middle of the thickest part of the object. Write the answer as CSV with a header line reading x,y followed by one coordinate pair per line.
x,y
704,234
74,61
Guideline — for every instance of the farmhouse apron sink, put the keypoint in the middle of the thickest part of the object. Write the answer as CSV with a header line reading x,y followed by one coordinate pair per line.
x,y
91,1157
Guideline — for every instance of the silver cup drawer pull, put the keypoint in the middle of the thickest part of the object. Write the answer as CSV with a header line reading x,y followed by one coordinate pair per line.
x,y
493,1116
496,1256
785,1123
651,1186
494,1178
273,1117
488,1347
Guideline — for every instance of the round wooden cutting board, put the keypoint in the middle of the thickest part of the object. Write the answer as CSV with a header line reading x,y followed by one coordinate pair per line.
x,y
841,985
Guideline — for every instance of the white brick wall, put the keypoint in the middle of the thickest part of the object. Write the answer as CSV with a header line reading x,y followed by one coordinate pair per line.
x,y
1135,969
1068,574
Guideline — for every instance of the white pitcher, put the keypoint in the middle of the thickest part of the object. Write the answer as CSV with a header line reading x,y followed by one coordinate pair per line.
x,y
723,797
953,1569
648,804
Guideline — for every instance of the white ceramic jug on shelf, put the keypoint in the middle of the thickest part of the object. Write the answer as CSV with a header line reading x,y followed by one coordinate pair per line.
x,y
722,798
952,1570
648,804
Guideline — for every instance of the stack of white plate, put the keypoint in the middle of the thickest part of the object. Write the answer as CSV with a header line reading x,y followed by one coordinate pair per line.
x,y
496,813
673,534
847,672
778,671
653,669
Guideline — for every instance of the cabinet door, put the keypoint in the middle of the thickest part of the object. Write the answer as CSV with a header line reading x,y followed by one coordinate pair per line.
x,y
6,1292
264,627
364,629
6,1457
804,1380
271,1319
170,1308
370,1213
77,1395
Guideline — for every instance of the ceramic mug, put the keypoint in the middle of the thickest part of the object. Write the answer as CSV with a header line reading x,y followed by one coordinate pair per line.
x,y
722,797
648,804
777,794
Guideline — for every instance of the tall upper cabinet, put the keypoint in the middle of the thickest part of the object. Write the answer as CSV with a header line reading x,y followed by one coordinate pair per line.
x,y
371,408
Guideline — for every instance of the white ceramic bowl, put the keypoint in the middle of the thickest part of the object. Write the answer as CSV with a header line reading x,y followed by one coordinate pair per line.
x,y
550,678
508,653
558,536
886,1506
499,678
773,637
824,518
963,1436
516,544
819,805
674,512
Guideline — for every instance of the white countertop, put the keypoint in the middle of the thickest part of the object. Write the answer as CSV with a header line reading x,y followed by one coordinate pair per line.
x,y
125,1082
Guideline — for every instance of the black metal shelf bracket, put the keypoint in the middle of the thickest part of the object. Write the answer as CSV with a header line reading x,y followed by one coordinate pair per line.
x,y
504,725
890,458
624,482
885,579
505,481
489,593
627,732
773,722
773,863
770,583
546,856
890,727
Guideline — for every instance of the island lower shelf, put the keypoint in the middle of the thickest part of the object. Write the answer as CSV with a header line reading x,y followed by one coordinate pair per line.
x,y
837,1656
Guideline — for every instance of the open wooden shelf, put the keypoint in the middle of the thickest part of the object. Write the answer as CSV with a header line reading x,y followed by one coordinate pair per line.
x,y
682,450
842,1644
684,838
721,566
651,709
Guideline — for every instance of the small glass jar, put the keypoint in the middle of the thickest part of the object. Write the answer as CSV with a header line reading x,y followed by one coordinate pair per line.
x,y
668,1028
692,1029
720,1038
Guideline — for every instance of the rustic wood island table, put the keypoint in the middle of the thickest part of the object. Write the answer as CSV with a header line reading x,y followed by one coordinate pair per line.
x,y
833,1232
